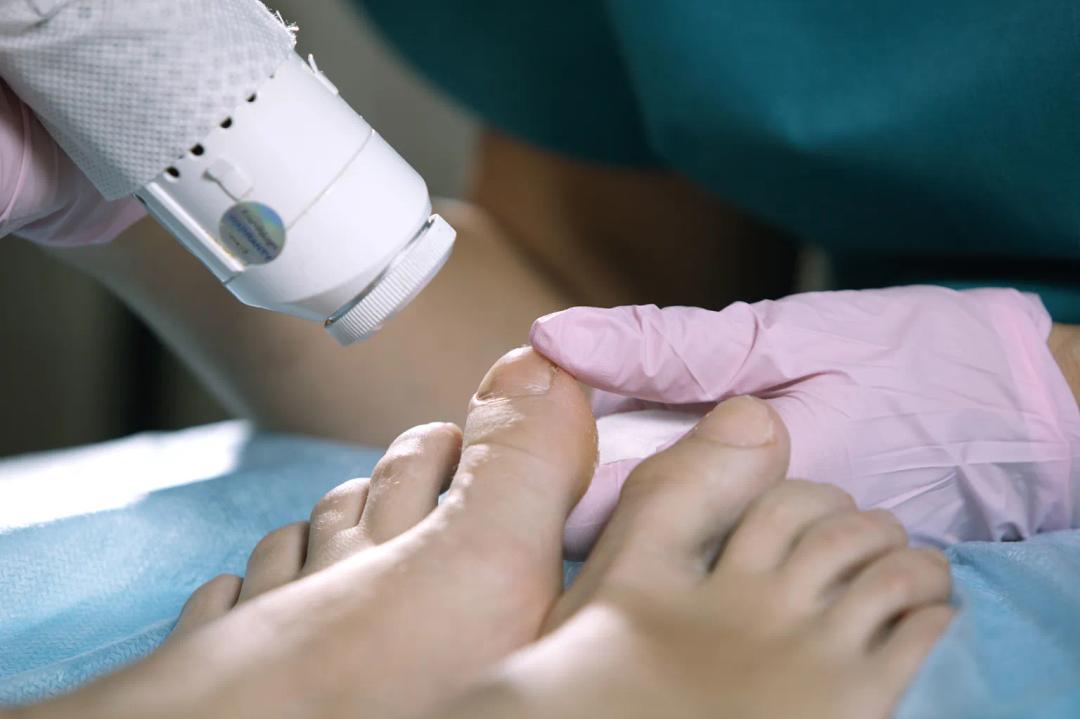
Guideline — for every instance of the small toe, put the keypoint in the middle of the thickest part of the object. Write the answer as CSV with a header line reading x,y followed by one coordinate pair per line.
x,y
777,519
210,601
835,549
332,528
406,482
889,588
276,560
912,640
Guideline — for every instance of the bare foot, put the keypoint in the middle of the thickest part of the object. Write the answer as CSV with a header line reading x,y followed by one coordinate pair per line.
x,y
811,609
352,518
362,610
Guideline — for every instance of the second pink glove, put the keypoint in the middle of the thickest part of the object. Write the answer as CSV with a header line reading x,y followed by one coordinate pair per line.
x,y
945,407
44,197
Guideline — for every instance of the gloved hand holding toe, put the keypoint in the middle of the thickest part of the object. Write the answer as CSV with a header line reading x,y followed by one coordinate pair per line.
x,y
944,407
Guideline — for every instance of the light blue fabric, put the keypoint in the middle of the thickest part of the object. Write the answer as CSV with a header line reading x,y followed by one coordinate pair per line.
x,y
83,595
104,588
1014,650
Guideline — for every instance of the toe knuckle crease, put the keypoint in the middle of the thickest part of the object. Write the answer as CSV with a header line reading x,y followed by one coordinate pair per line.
x,y
492,449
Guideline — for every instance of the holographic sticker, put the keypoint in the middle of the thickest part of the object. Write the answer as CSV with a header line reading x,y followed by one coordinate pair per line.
x,y
252,232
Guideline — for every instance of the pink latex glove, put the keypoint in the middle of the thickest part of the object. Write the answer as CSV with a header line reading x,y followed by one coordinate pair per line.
x,y
945,407
44,197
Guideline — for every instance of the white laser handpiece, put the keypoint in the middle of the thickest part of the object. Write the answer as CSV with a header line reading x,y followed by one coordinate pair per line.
x,y
205,112
299,206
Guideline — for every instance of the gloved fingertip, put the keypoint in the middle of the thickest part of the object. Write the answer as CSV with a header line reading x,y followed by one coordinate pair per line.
x,y
543,335
585,341
607,403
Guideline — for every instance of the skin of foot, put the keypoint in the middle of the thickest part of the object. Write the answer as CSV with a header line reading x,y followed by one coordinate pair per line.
x,y
807,607
384,605
804,607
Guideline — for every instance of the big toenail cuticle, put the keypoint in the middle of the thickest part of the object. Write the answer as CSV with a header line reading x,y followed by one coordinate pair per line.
x,y
521,378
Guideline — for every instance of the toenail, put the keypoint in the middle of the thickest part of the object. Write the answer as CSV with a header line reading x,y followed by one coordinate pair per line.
x,y
739,422
520,373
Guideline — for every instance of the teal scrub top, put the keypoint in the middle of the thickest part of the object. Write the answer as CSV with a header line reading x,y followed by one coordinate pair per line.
x,y
914,141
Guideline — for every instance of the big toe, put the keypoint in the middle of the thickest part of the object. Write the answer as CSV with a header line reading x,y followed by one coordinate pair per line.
x,y
528,452
679,505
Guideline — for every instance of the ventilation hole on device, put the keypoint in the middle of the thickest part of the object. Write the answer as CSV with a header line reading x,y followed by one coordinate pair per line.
x,y
198,150
172,172
226,123
252,98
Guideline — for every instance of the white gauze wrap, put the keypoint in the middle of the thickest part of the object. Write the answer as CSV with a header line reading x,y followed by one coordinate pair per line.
x,y
127,86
